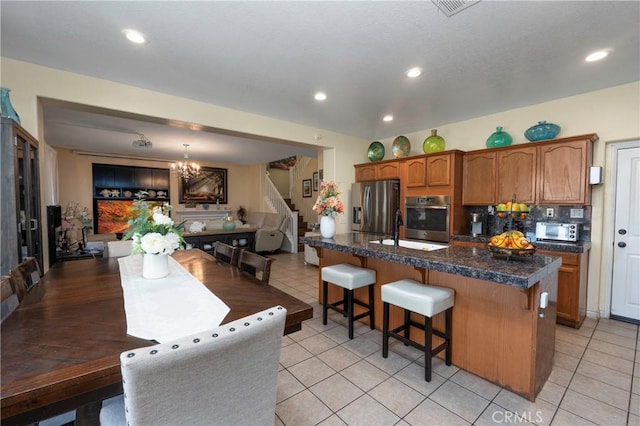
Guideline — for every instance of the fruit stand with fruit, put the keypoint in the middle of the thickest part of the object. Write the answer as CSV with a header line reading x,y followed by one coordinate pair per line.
x,y
511,243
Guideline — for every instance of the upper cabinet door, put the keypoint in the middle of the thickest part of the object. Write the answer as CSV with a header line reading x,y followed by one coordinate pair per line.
x,y
416,172
479,179
365,172
390,170
438,170
516,175
563,173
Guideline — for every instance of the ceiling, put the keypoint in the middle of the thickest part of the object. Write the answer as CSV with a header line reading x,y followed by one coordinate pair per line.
x,y
269,58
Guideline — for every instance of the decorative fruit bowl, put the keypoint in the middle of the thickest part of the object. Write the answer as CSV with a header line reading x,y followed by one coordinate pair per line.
x,y
508,253
510,244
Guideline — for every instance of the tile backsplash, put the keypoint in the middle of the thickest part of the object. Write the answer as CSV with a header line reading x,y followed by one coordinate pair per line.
x,y
538,213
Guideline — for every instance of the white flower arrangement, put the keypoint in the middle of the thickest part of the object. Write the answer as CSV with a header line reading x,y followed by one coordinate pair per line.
x,y
155,233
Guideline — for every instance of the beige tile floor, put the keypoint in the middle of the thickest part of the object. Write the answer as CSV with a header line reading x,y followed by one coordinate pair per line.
x,y
326,379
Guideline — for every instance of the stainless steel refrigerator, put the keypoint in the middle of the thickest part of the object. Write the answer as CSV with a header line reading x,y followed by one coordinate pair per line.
x,y
374,206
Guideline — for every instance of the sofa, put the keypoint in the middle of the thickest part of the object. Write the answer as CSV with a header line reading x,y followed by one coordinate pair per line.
x,y
270,230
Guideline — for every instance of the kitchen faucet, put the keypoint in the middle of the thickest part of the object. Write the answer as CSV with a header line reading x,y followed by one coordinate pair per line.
x,y
396,228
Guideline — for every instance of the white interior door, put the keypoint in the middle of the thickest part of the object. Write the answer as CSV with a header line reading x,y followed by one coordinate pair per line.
x,y
625,290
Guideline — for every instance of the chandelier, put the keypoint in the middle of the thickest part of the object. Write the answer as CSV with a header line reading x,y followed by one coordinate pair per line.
x,y
185,169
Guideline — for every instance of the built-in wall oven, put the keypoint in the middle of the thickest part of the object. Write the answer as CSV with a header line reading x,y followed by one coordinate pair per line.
x,y
427,218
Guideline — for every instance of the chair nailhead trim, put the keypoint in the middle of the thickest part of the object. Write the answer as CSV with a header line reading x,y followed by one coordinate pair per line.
x,y
196,340
246,324
175,346
214,335
131,355
232,329
153,352
279,307
259,318
271,313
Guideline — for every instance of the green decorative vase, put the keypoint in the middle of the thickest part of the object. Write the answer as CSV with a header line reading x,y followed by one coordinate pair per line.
x,y
6,109
499,138
433,143
229,224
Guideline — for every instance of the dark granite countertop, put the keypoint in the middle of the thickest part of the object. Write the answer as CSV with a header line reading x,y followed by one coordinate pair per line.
x,y
579,247
465,261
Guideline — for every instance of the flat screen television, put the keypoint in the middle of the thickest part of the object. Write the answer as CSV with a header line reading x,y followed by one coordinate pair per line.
x,y
111,216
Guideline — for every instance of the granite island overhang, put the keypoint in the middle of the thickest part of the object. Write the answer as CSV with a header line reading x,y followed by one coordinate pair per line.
x,y
500,330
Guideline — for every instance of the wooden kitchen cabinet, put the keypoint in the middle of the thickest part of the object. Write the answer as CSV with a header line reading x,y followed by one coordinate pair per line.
x,y
572,287
415,172
438,170
516,175
478,178
563,171
389,169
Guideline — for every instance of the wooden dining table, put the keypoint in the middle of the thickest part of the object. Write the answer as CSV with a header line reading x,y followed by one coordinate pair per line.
x,y
61,347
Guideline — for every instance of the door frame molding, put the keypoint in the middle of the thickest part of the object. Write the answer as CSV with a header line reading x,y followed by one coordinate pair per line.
x,y
611,184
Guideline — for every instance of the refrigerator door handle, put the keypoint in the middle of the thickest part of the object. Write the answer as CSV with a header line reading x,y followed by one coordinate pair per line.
x,y
366,208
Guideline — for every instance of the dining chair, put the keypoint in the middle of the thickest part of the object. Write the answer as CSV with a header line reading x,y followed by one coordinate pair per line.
x,y
25,276
254,263
224,376
118,248
226,253
10,299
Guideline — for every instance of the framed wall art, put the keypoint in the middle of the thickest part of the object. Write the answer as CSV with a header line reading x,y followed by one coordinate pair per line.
x,y
316,182
306,188
208,187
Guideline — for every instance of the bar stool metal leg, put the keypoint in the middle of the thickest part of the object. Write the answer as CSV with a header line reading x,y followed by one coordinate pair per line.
x,y
349,302
372,321
448,326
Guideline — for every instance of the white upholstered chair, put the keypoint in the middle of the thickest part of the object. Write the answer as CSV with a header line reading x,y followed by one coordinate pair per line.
x,y
118,248
224,376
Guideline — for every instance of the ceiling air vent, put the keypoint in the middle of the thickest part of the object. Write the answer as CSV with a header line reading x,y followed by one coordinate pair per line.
x,y
451,7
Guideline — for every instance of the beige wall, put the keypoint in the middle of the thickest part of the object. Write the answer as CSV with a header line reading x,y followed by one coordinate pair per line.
x,y
613,113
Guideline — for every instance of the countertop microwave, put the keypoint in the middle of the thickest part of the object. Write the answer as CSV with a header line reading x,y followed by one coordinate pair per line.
x,y
553,231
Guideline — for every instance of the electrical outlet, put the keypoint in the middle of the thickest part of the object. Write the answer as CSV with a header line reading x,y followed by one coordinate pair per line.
x,y
550,212
576,214
490,209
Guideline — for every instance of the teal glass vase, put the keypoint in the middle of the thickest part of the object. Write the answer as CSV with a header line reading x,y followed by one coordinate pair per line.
x,y
229,224
433,143
499,138
6,109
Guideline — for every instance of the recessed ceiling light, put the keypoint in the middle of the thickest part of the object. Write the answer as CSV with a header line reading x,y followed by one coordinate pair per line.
x,y
320,96
134,36
414,72
387,118
596,56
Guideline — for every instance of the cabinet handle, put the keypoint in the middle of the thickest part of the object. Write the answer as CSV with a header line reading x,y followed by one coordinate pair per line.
x,y
622,244
34,225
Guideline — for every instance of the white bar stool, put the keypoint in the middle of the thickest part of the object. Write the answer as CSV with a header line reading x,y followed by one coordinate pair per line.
x,y
426,300
348,277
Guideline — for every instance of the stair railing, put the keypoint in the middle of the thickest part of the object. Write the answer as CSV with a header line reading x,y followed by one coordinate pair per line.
x,y
276,203
296,172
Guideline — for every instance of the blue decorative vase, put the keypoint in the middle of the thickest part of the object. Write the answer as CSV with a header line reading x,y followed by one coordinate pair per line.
x,y
6,109
433,143
499,138
542,131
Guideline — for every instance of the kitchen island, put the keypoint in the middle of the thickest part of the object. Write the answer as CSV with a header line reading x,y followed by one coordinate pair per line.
x,y
500,331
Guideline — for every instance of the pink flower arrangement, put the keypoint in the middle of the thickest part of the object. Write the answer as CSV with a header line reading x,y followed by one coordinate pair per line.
x,y
328,203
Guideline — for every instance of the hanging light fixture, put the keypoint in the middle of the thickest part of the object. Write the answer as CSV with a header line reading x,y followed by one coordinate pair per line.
x,y
185,169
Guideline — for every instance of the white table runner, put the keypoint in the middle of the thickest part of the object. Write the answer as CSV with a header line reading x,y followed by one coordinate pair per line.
x,y
170,307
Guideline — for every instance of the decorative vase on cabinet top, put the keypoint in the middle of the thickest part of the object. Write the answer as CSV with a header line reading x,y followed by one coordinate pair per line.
x,y
433,143
499,138
6,109
229,224
542,131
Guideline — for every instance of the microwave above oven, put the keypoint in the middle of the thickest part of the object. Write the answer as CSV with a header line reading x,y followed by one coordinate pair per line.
x,y
427,218
557,231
